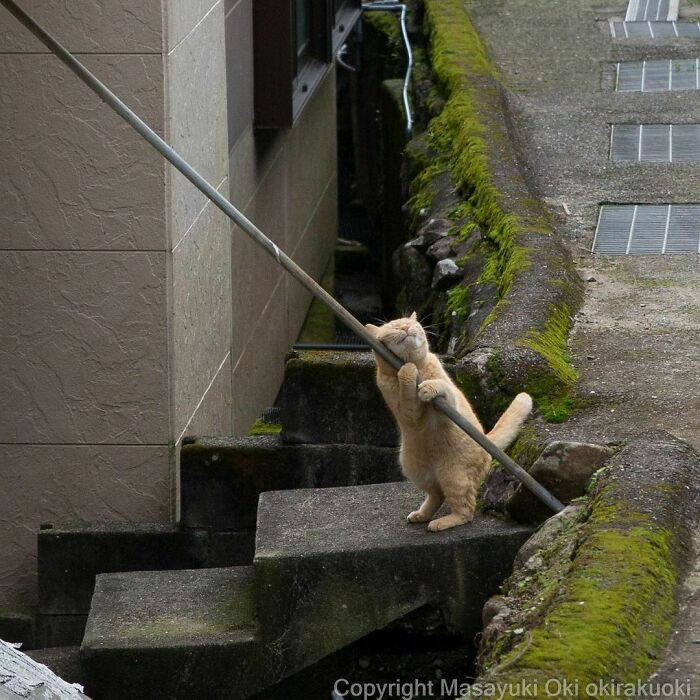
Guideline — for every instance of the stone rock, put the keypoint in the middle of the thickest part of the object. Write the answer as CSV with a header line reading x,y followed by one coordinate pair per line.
x,y
465,247
446,274
496,605
563,468
545,535
498,488
414,273
482,301
441,249
431,231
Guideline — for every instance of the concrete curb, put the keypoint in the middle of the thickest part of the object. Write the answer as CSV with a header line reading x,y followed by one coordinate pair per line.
x,y
597,604
539,288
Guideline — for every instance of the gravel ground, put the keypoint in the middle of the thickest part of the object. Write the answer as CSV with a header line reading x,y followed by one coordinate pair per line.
x,y
636,340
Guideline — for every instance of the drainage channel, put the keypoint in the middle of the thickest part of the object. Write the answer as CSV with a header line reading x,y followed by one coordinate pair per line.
x,y
657,143
648,229
653,30
658,75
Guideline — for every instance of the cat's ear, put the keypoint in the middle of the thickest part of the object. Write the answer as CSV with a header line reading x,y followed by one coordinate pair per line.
x,y
413,316
372,330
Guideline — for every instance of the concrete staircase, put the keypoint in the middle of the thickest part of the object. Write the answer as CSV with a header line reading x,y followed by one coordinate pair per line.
x,y
331,566
291,547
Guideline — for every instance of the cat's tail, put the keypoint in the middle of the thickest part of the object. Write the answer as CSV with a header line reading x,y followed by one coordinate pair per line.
x,y
509,424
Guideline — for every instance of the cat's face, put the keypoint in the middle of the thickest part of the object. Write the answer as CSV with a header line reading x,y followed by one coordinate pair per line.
x,y
405,337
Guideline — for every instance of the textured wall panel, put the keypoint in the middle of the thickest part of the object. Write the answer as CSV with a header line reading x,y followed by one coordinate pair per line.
x,y
75,176
49,483
201,311
197,123
99,26
83,347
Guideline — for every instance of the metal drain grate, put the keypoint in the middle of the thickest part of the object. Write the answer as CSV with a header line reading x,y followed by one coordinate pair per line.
x,y
648,229
657,76
660,143
653,30
656,10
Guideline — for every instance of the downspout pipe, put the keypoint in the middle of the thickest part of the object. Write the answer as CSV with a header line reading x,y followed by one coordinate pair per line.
x,y
269,246
391,6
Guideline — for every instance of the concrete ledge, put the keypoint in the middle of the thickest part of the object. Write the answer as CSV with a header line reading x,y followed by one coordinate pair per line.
x,y
331,397
178,634
71,554
221,478
538,287
598,601
333,565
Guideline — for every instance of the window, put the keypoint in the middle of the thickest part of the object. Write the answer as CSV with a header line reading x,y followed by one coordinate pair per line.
x,y
294,44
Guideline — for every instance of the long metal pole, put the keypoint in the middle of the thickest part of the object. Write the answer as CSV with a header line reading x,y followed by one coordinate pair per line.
x,y
259,237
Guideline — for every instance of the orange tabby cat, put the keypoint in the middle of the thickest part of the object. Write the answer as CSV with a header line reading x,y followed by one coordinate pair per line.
x,y
436,455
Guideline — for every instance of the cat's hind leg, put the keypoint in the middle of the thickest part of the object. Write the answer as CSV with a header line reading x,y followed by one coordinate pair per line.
x,y
460,494
430,506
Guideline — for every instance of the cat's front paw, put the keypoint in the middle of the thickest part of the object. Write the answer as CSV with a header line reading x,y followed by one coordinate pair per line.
x,y
408,373
429,390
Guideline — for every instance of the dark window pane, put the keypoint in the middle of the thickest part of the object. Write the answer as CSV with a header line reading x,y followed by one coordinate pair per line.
x,y
303,26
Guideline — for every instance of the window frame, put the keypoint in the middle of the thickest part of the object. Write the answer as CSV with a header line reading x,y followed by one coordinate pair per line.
x,y
283,83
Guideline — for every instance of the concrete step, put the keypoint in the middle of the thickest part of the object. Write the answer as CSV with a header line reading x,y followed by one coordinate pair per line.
x,y
332,565
173,634
221,478
330,397
72,554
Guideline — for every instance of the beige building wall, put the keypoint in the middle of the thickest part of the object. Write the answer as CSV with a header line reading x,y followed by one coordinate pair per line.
x,y
129,315
84,397
286,182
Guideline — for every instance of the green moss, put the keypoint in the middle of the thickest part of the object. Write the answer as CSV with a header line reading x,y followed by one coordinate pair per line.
x,y
387,24
603,614
319,324
260,427
422,190
527,448
551,343
552,392
458,300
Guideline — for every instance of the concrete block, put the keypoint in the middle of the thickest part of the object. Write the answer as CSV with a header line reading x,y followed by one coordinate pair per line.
x,y
71,555
63,661
60,630
221,478
332,397
176,634
357,565
19,627
231,549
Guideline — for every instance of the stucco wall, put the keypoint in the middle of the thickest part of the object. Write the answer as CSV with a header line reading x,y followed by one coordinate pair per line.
x,y
285,182
129,315
84,419
199,237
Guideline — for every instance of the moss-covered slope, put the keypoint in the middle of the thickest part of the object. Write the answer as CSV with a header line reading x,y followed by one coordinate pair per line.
x,y
538,287
597,606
